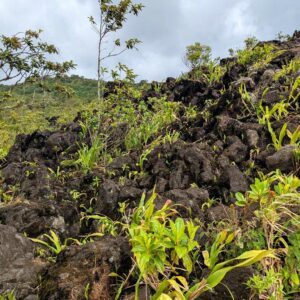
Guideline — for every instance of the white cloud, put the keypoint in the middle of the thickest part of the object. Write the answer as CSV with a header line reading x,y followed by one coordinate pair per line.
x,y
166,27
238,22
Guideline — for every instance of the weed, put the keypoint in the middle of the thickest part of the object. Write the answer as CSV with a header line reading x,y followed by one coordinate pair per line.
x,y
191,112
171,137
8,295
277,142
268,286
163,245
54,244
292,67
87,156
106,225
75,195
246,99
258,56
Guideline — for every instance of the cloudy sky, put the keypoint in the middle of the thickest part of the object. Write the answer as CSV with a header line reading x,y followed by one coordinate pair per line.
x,y
165,27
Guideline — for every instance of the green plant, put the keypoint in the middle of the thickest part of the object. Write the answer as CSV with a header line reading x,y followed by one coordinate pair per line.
x,y
58,173
76,195
112,18
171,137
290,270
277,142
276,196
23,56
292,67
163,245
86,291
87,156
170,288
197,55
143,158
267,286
295,93
274,200
8,193
211,257
278,111
246,98
258,55
8,295
191,112
293,136
214,73
106,225
54,244
150,123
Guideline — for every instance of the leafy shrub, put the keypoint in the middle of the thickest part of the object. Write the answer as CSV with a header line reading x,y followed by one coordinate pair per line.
x,y
162,245
276,199
258,56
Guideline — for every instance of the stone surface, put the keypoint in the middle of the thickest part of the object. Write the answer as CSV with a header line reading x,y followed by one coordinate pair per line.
x,y
19,269
237,180
283,159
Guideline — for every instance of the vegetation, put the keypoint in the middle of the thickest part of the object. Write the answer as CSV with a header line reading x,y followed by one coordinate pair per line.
x,y
180,138
112,19
24,56
162,246
8,295
29,101
202,67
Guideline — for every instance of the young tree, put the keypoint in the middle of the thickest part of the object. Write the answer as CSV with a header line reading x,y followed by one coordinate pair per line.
x,y
112,19
197,55
24,55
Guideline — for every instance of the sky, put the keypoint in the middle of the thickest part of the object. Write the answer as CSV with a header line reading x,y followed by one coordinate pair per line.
x,y
165,28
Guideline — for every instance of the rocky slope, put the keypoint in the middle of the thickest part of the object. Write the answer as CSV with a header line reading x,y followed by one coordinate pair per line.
x,y
215,157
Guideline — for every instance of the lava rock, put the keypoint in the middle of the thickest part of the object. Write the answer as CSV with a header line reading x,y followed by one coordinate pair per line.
x,y
252,138
283,159
236,152
19,269
90,264
237,180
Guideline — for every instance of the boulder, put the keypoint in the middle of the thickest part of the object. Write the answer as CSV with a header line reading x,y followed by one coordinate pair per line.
x,y
19,269
283,159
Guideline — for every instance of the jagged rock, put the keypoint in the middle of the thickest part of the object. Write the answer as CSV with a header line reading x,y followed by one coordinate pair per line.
x,y
218,213
283,159
236,152
35,218
109,192
272,96
178,177
268,75
247,81
19,269
90,264
252,138
162,185
237,180
130,193
59,141
191,198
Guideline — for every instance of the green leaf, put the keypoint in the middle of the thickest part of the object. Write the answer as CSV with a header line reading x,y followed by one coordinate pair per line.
x,y
180,251
206,257
188,264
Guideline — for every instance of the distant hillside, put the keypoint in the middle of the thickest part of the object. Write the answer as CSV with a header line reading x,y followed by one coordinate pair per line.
x,y
60,98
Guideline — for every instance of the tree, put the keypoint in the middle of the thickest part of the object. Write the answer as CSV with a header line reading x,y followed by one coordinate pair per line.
x,y
197,55
112,19
24,56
